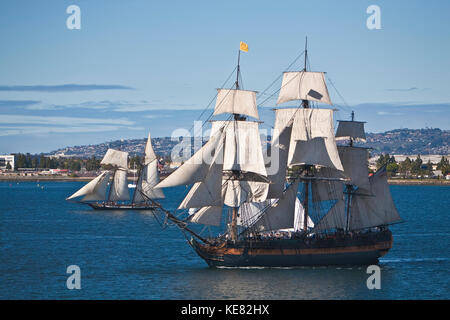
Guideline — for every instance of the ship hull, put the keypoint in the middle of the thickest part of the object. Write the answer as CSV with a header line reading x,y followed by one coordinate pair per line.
x,y
102,206
296,252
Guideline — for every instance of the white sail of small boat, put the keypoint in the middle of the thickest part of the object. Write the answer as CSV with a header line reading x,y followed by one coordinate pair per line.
x,y
97,195
97,189
148,177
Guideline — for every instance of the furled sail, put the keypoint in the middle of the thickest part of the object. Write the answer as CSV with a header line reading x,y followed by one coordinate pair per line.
x,y
377,210
355,160
148,179
281,214
197,167
116,158
95,190
351,130
304,85
236,102
119,187
207,215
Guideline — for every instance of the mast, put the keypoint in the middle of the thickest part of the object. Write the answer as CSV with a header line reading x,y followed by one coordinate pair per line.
x,y
137,183
111,186
305,104
236,116
349,188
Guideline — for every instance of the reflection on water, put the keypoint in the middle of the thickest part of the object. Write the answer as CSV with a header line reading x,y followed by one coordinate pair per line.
x,y
127,255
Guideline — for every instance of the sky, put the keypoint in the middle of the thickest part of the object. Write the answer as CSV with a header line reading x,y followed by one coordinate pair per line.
x,y
139,66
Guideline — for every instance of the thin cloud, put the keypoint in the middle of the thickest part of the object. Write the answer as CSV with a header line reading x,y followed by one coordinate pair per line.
x,y
404,90
59,121
115,106
34,130
18,103
65,87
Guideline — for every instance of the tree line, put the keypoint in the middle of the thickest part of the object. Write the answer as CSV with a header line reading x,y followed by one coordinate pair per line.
x,y
43,162
73,164
411,167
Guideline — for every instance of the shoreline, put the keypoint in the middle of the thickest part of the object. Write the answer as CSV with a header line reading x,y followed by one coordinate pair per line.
x,y
416,182
424,182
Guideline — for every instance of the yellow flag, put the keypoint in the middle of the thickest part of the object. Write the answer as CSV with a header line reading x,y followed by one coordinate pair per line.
x,y
243,47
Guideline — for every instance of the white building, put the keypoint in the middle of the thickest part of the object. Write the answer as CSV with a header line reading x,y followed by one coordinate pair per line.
x,y
5,160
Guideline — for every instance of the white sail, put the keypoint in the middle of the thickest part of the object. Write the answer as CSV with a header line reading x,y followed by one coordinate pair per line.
x,y
116,158
119,187
243,150
312,139
318,151
351,130
207,192
207,215
149,153
281,214
336,217
250,212
148,179
312,123
236,192
377,210
236,102
304,85
197,167
355,162
95,190
276,170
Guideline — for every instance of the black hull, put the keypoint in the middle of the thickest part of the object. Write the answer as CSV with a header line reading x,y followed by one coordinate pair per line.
x,y
103,206
359,250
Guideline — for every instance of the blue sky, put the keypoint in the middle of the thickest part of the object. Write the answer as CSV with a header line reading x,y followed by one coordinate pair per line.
x,y
143,65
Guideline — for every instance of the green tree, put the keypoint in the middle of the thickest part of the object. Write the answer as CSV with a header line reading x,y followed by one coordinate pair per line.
x,y
92,164
392,169
384,159
416,166
444,166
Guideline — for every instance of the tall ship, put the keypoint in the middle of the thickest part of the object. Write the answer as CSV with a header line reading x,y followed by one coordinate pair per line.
x,y
103,194
310,203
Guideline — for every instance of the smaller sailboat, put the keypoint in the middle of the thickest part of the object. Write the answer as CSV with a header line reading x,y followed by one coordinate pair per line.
x,y
98,196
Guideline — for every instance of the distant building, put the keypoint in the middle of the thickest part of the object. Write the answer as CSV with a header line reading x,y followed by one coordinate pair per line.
x,y
59,171
433,158
5,160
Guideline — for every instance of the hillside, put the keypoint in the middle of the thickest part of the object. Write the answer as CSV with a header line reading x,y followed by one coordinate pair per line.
x,y
408,141
399,141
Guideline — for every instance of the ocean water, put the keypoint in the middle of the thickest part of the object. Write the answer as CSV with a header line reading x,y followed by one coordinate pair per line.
x,y
127,255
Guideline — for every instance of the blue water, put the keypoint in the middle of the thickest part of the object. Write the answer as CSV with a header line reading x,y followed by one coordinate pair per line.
x,y
126,255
